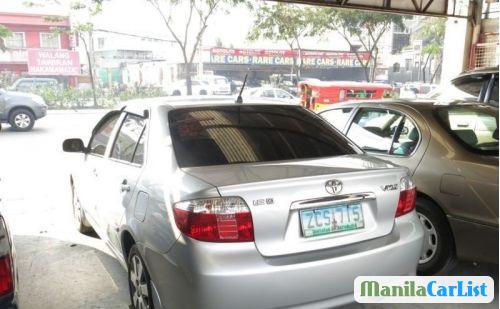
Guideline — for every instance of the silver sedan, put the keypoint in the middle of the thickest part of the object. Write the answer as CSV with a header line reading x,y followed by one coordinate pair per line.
x,y
212,204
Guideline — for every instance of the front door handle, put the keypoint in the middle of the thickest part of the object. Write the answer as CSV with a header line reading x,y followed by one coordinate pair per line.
x,y
125,187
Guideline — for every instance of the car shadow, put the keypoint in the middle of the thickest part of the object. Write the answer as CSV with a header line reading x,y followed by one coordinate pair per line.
x,y
61,274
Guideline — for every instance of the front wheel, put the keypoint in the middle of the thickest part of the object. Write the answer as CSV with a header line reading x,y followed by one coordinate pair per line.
x,y
139,281
21,120
438,250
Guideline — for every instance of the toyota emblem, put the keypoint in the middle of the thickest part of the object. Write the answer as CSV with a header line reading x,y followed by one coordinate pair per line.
x,y
333,186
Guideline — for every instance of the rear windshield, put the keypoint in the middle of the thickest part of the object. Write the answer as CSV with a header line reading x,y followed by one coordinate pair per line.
x,y
476,127
219,135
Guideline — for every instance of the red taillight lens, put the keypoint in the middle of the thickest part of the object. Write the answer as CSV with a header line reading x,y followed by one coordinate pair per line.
x,y
407,196
6,275
226,219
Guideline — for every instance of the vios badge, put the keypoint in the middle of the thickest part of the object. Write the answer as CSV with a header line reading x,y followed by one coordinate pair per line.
x,y
333,186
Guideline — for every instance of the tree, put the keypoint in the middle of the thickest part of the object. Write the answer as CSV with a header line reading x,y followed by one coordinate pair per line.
x,y
362,30
83,30
4,33
432,35
283,22
198,13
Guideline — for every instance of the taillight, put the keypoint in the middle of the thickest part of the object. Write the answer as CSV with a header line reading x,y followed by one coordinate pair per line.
x,y
407,196
6,267
224,219
6,275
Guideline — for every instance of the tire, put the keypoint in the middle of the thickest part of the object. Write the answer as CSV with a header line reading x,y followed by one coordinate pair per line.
x,y
138,276
438,251
79,220
176,93
21,120
203,92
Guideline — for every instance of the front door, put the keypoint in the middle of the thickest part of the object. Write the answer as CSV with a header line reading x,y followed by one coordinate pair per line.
x,y
122,171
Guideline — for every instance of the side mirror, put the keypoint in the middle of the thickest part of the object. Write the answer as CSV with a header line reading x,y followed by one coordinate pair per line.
x,y
74,145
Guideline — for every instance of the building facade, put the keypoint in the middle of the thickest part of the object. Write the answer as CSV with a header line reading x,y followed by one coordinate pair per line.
x,y
39,46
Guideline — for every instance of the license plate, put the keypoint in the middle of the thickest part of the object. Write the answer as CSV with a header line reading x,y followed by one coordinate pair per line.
x,y
331,219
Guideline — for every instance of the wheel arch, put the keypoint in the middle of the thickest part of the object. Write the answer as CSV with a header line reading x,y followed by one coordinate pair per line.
x,y
127,241
422,195
18,107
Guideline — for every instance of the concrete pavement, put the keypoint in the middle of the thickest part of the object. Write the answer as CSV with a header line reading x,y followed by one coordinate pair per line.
x,y
58,267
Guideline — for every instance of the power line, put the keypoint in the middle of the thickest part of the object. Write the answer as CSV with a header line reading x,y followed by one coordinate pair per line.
x,y
134,35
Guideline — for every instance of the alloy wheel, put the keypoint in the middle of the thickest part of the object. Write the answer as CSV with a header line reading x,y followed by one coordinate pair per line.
x,y
139,288
22,120
430,244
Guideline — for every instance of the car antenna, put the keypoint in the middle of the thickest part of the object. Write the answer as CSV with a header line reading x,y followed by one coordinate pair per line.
x,y
239,99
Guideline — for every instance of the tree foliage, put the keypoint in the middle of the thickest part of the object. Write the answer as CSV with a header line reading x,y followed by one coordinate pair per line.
x,y
362,30
432,35
194,24
4,33
282,22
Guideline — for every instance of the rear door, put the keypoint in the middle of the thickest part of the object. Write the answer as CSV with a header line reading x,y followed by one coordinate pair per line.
x,y
120,173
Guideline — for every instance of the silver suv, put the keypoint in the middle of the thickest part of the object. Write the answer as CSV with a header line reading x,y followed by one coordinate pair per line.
x,y
20,109
212,204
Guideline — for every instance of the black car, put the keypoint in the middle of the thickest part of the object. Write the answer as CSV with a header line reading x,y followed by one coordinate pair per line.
x,y
8,275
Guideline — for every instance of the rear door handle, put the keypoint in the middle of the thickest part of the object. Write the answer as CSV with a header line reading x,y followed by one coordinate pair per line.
x,y
125,187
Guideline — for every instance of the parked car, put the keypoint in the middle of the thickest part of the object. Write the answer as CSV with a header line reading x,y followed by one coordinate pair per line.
x,y
452,153
480,84
201,197
269,93
29,84
197,88
21,110
219,84
8,273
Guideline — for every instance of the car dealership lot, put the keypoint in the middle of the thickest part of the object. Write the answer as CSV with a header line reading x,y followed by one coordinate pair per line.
x,y
59,267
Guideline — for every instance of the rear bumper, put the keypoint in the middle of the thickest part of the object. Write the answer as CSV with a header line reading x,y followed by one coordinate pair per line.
x,y
208,275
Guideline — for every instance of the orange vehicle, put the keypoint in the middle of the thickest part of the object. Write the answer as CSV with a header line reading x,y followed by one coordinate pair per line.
x,y
315,95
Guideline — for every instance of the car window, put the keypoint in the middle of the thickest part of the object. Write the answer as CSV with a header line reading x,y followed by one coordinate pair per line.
x,y
128,138
337,117
494,93
102,133
407,138
268,93
205,136
476,127
139,150
283,95
374,129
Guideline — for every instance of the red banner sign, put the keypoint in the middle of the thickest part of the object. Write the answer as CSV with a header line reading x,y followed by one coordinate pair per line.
x,y
53,62
286,57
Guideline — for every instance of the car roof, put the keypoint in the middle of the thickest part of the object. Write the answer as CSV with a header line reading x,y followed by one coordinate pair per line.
x,y
174,102
419,104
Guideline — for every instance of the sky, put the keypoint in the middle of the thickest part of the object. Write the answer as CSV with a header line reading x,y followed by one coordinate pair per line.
x,y
139,17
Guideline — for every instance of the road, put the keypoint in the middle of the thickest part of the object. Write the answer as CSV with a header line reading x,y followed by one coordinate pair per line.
x,y
58,267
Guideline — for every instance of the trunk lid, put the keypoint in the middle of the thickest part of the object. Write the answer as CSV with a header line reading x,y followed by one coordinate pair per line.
x,y
276,192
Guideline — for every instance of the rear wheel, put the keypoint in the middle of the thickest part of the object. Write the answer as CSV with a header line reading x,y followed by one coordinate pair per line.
x,y
139,281
203,92
176,92
438,249
21,120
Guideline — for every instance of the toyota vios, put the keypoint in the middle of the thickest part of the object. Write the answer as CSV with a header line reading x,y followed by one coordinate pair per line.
x,y
213,204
